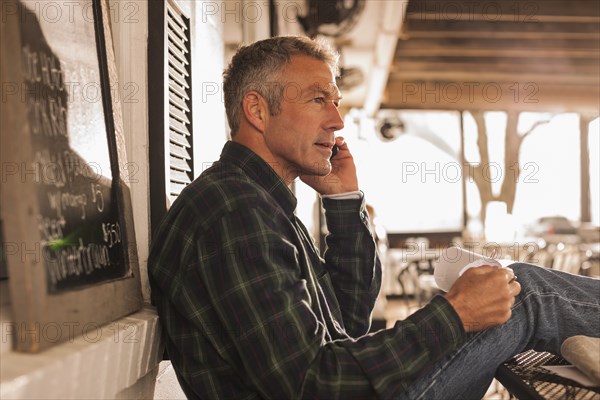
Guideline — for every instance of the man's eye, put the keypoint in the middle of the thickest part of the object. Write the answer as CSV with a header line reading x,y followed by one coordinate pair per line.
x,y
323,100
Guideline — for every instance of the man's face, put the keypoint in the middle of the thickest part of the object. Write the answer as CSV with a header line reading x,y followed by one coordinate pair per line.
x,y
301,136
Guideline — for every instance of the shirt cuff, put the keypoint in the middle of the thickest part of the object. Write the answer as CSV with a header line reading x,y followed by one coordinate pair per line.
x,y
348,216
356,195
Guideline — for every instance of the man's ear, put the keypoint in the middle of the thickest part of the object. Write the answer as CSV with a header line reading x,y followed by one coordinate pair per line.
x,y
255,110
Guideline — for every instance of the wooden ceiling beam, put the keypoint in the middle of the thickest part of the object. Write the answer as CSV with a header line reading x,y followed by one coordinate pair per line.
x,y
438,95
495,52
517,10
501,26
497,43
435,17
400,66
522,62
492,76
519,35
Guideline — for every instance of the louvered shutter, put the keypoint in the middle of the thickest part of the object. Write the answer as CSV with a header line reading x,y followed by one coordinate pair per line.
x,y
179,91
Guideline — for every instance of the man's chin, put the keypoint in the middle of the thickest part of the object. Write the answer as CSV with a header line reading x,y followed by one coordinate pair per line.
x,y
323,169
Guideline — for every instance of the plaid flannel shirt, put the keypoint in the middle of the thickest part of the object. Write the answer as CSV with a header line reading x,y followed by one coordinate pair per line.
x,y
251,310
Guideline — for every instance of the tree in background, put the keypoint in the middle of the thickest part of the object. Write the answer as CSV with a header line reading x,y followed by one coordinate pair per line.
x,y
480,173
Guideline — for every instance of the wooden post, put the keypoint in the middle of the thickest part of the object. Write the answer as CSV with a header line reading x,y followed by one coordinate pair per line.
x,y
584,133
463,166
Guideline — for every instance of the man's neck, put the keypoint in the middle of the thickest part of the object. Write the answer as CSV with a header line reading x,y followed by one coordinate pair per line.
x,y
286,172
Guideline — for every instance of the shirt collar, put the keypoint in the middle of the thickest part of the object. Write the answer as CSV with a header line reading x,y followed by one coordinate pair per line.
x,y
261,172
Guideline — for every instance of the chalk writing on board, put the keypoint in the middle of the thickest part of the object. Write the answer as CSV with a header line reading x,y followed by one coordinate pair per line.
x,y
79,219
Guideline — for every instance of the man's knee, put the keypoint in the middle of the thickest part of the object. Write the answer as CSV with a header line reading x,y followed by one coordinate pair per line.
x,y
525,272
520,267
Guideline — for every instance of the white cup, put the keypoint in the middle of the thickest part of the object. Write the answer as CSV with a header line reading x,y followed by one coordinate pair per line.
x,y
454,261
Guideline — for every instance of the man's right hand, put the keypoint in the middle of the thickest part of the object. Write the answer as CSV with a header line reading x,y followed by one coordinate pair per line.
x,y
342,177
483,297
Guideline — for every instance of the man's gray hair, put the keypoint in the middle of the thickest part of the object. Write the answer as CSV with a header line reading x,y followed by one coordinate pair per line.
x,y
258,67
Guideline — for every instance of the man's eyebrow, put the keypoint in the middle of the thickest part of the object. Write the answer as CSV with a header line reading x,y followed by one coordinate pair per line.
x,y
316,88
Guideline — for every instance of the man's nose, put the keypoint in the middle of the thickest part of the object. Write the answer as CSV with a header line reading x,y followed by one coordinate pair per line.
x,y
337,122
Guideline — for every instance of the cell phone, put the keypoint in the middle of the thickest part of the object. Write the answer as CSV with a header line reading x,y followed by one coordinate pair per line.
x,y
334,151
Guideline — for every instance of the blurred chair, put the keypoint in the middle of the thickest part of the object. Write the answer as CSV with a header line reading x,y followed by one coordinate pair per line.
x,y
591,260
422,274
427,288
542,258
567,258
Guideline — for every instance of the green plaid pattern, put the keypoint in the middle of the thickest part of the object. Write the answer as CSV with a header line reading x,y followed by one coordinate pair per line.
x,y
251,310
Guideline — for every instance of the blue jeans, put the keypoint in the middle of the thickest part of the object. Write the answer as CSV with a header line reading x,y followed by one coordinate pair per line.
x,y
551,307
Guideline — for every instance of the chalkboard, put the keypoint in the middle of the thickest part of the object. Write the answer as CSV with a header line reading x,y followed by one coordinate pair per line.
x,y
78,211
69,241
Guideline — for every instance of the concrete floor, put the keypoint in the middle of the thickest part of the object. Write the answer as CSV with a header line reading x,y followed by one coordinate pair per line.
x,y
167,387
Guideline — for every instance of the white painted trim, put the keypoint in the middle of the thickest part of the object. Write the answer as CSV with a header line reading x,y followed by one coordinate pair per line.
x,y
97,365
130,37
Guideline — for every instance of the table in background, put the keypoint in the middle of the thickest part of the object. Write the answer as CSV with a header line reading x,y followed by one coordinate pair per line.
x,y
405,267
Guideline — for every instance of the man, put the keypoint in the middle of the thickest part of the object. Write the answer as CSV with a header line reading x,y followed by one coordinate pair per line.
x,y
251,310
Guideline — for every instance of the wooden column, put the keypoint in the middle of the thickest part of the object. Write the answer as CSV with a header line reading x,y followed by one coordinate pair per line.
x,y
584,129
463,164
